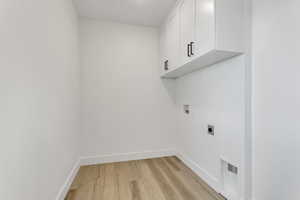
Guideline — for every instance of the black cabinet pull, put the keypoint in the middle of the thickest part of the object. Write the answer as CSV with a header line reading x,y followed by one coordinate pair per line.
x,y
191,45
166,65
188,50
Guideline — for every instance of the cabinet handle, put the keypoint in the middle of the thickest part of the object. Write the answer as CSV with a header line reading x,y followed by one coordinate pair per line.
x,y
167,65
191,45
188,50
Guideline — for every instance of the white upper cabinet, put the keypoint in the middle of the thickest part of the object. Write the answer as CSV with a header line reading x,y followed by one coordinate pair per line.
x,y
163,50
173,41
170,42
209,31
204,27
187,29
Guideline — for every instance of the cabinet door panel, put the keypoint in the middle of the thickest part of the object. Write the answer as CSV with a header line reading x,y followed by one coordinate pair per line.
x,y
163,48
187,24
205,26
173,41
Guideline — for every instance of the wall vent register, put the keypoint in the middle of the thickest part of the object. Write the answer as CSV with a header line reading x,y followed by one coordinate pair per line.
x,y
229,180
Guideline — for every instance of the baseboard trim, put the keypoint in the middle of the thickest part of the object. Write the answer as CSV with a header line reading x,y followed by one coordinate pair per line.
x,y
210,180
92,160
66,186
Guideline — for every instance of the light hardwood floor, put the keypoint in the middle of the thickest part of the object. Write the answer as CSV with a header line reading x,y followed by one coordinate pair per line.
x,y
152,179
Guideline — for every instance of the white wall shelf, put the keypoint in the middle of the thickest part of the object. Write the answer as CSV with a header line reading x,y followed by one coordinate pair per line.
x,y
208,59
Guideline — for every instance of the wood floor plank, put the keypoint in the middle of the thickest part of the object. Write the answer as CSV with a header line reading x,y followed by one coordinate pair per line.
x,y
184,191
195,187
138,181
111,183
172,163
195,178
166,188
152,187
152,179
135,190
84,192
124,180
99,183
85,175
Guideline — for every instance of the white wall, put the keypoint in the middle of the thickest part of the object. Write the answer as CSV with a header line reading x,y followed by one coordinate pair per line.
x,y
126,106
276,47
39,97
217,97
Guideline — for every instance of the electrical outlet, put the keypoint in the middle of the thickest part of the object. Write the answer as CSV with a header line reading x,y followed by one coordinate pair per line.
x,y
211,130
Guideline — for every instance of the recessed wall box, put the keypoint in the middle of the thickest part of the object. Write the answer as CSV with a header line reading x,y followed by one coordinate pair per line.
x,y
186,109
211,130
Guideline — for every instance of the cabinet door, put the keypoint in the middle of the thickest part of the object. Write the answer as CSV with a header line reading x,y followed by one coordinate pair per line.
x,y
205,27
187,27
163,49
173,41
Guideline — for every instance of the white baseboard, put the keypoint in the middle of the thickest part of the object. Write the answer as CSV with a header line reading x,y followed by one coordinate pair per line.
x,y
92,160
65,188
210,180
